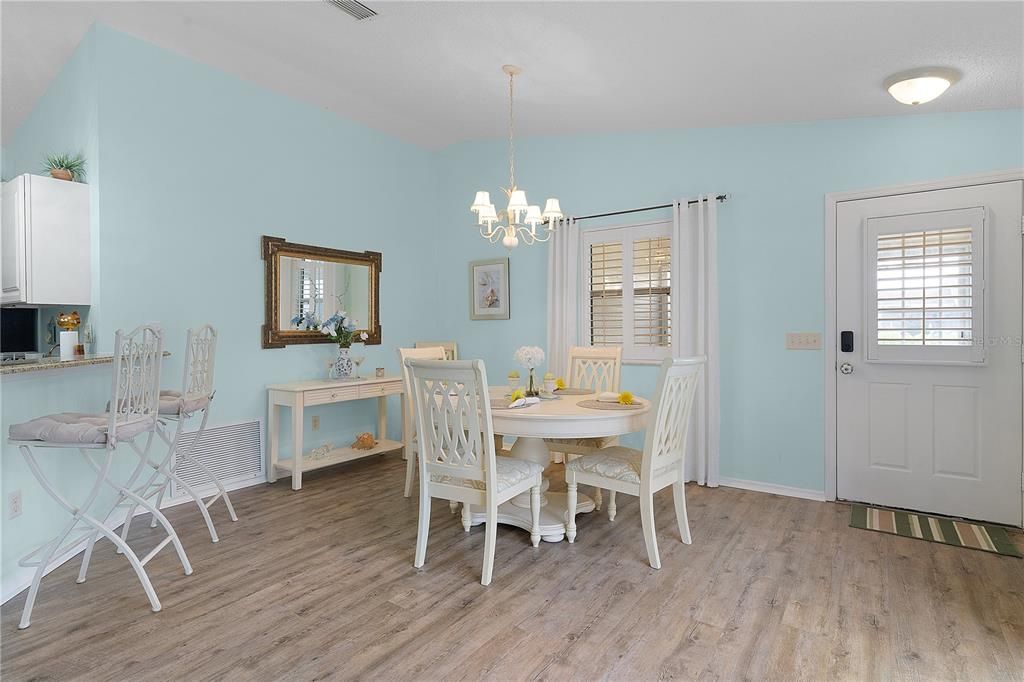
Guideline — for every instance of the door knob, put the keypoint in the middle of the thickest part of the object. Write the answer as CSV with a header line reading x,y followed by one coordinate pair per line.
x,y
846,368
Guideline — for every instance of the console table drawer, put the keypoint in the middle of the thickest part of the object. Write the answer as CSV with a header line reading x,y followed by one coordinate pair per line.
x,y
379,389
330,395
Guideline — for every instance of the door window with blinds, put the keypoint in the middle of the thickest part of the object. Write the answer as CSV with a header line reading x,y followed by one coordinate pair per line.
x,y
628,290
925,295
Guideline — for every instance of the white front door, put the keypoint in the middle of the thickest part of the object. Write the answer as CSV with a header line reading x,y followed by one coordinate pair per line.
x,y
929,358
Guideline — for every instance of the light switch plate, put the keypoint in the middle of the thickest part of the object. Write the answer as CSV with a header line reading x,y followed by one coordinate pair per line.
x,y
803,341
316,422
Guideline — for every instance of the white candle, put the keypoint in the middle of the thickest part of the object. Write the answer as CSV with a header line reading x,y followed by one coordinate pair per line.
x,y
68,341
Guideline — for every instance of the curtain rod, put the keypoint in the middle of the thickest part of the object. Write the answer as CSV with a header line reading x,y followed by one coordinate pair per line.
x,y
720,197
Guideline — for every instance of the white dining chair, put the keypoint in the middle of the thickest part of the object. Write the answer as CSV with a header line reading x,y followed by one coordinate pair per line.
x,y
134,405
409,439
178,407
457,460
659,465
598,369
451,349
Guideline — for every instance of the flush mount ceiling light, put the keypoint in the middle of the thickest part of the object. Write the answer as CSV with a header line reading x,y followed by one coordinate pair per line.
x,y
520,219
920,85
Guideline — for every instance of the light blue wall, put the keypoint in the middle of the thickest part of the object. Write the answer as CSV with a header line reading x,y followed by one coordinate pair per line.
x,y
771,246
197,165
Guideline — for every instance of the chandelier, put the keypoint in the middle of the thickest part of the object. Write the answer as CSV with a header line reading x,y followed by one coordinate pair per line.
x,y
519,220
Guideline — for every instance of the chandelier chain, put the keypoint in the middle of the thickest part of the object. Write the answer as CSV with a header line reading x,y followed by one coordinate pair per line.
x,y
511,135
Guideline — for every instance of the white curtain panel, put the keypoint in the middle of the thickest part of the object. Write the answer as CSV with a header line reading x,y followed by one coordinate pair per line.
x,y
695,332
563,293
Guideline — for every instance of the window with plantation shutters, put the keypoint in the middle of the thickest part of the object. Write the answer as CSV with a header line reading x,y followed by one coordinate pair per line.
x,y
606,294
652,292
627,280
926,287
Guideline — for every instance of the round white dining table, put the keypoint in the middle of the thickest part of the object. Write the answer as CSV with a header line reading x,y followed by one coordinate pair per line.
x,y
558,418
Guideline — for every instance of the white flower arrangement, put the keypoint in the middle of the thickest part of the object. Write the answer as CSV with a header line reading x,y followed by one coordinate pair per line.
x,y
530,357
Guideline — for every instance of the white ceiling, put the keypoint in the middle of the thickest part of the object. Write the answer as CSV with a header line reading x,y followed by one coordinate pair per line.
x,y
430,72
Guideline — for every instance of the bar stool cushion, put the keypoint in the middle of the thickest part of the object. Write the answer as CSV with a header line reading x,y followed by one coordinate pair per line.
x,y
76,428
171,403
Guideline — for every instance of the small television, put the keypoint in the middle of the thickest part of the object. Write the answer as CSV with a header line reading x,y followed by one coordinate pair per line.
x,y
19,330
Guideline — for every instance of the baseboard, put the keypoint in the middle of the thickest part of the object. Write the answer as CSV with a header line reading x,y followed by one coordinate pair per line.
x,y
774,489
207,491
15,584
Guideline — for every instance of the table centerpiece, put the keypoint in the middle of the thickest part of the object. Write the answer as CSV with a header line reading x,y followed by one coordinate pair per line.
x,y
530,357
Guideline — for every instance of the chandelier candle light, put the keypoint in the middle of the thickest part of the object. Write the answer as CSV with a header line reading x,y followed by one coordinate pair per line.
x,y
520,219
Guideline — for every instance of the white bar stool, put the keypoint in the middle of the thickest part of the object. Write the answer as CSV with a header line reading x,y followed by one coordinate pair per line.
x,y
133,413
178,407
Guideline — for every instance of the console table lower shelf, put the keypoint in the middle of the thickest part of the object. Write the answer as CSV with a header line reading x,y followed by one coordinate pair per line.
x,y
300,394
337,456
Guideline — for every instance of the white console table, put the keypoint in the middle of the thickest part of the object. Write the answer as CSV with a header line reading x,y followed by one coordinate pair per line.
x,y
299,394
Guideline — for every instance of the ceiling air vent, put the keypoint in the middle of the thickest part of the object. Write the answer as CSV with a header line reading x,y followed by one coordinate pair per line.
x,y
354,9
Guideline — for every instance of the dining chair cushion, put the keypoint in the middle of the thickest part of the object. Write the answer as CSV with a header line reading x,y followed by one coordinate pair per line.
x,y
617,463
171,403
508,470
75,428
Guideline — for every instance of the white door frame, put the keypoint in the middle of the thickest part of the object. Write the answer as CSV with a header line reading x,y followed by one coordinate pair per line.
x,y
831,200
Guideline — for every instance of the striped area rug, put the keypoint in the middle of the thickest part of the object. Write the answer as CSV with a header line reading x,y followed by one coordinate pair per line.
x,y
934,529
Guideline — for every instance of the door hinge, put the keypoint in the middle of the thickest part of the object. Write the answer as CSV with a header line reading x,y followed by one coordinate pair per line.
x,y
1022,224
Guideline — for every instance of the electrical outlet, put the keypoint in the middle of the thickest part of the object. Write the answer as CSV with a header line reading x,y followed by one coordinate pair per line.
x,y
316,422
14,505
803,341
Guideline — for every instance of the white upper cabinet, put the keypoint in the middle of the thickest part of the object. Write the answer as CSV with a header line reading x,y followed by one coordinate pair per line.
x,y
45,248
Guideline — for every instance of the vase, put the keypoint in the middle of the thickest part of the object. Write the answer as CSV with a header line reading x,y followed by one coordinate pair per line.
x,y
341,368
61,174
531,389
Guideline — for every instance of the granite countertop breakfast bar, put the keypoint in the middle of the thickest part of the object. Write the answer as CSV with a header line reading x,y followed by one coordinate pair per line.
x,y
57,363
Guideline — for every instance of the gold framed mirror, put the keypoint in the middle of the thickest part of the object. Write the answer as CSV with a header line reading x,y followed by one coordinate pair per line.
x,y
304,285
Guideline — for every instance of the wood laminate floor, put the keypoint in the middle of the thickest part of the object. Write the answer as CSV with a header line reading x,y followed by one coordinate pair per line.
x,y
320,584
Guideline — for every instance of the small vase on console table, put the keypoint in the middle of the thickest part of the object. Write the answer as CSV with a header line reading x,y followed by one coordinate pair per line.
x,y
341,368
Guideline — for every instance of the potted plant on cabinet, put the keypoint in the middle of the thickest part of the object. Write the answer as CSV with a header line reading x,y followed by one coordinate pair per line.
x,y
65,166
